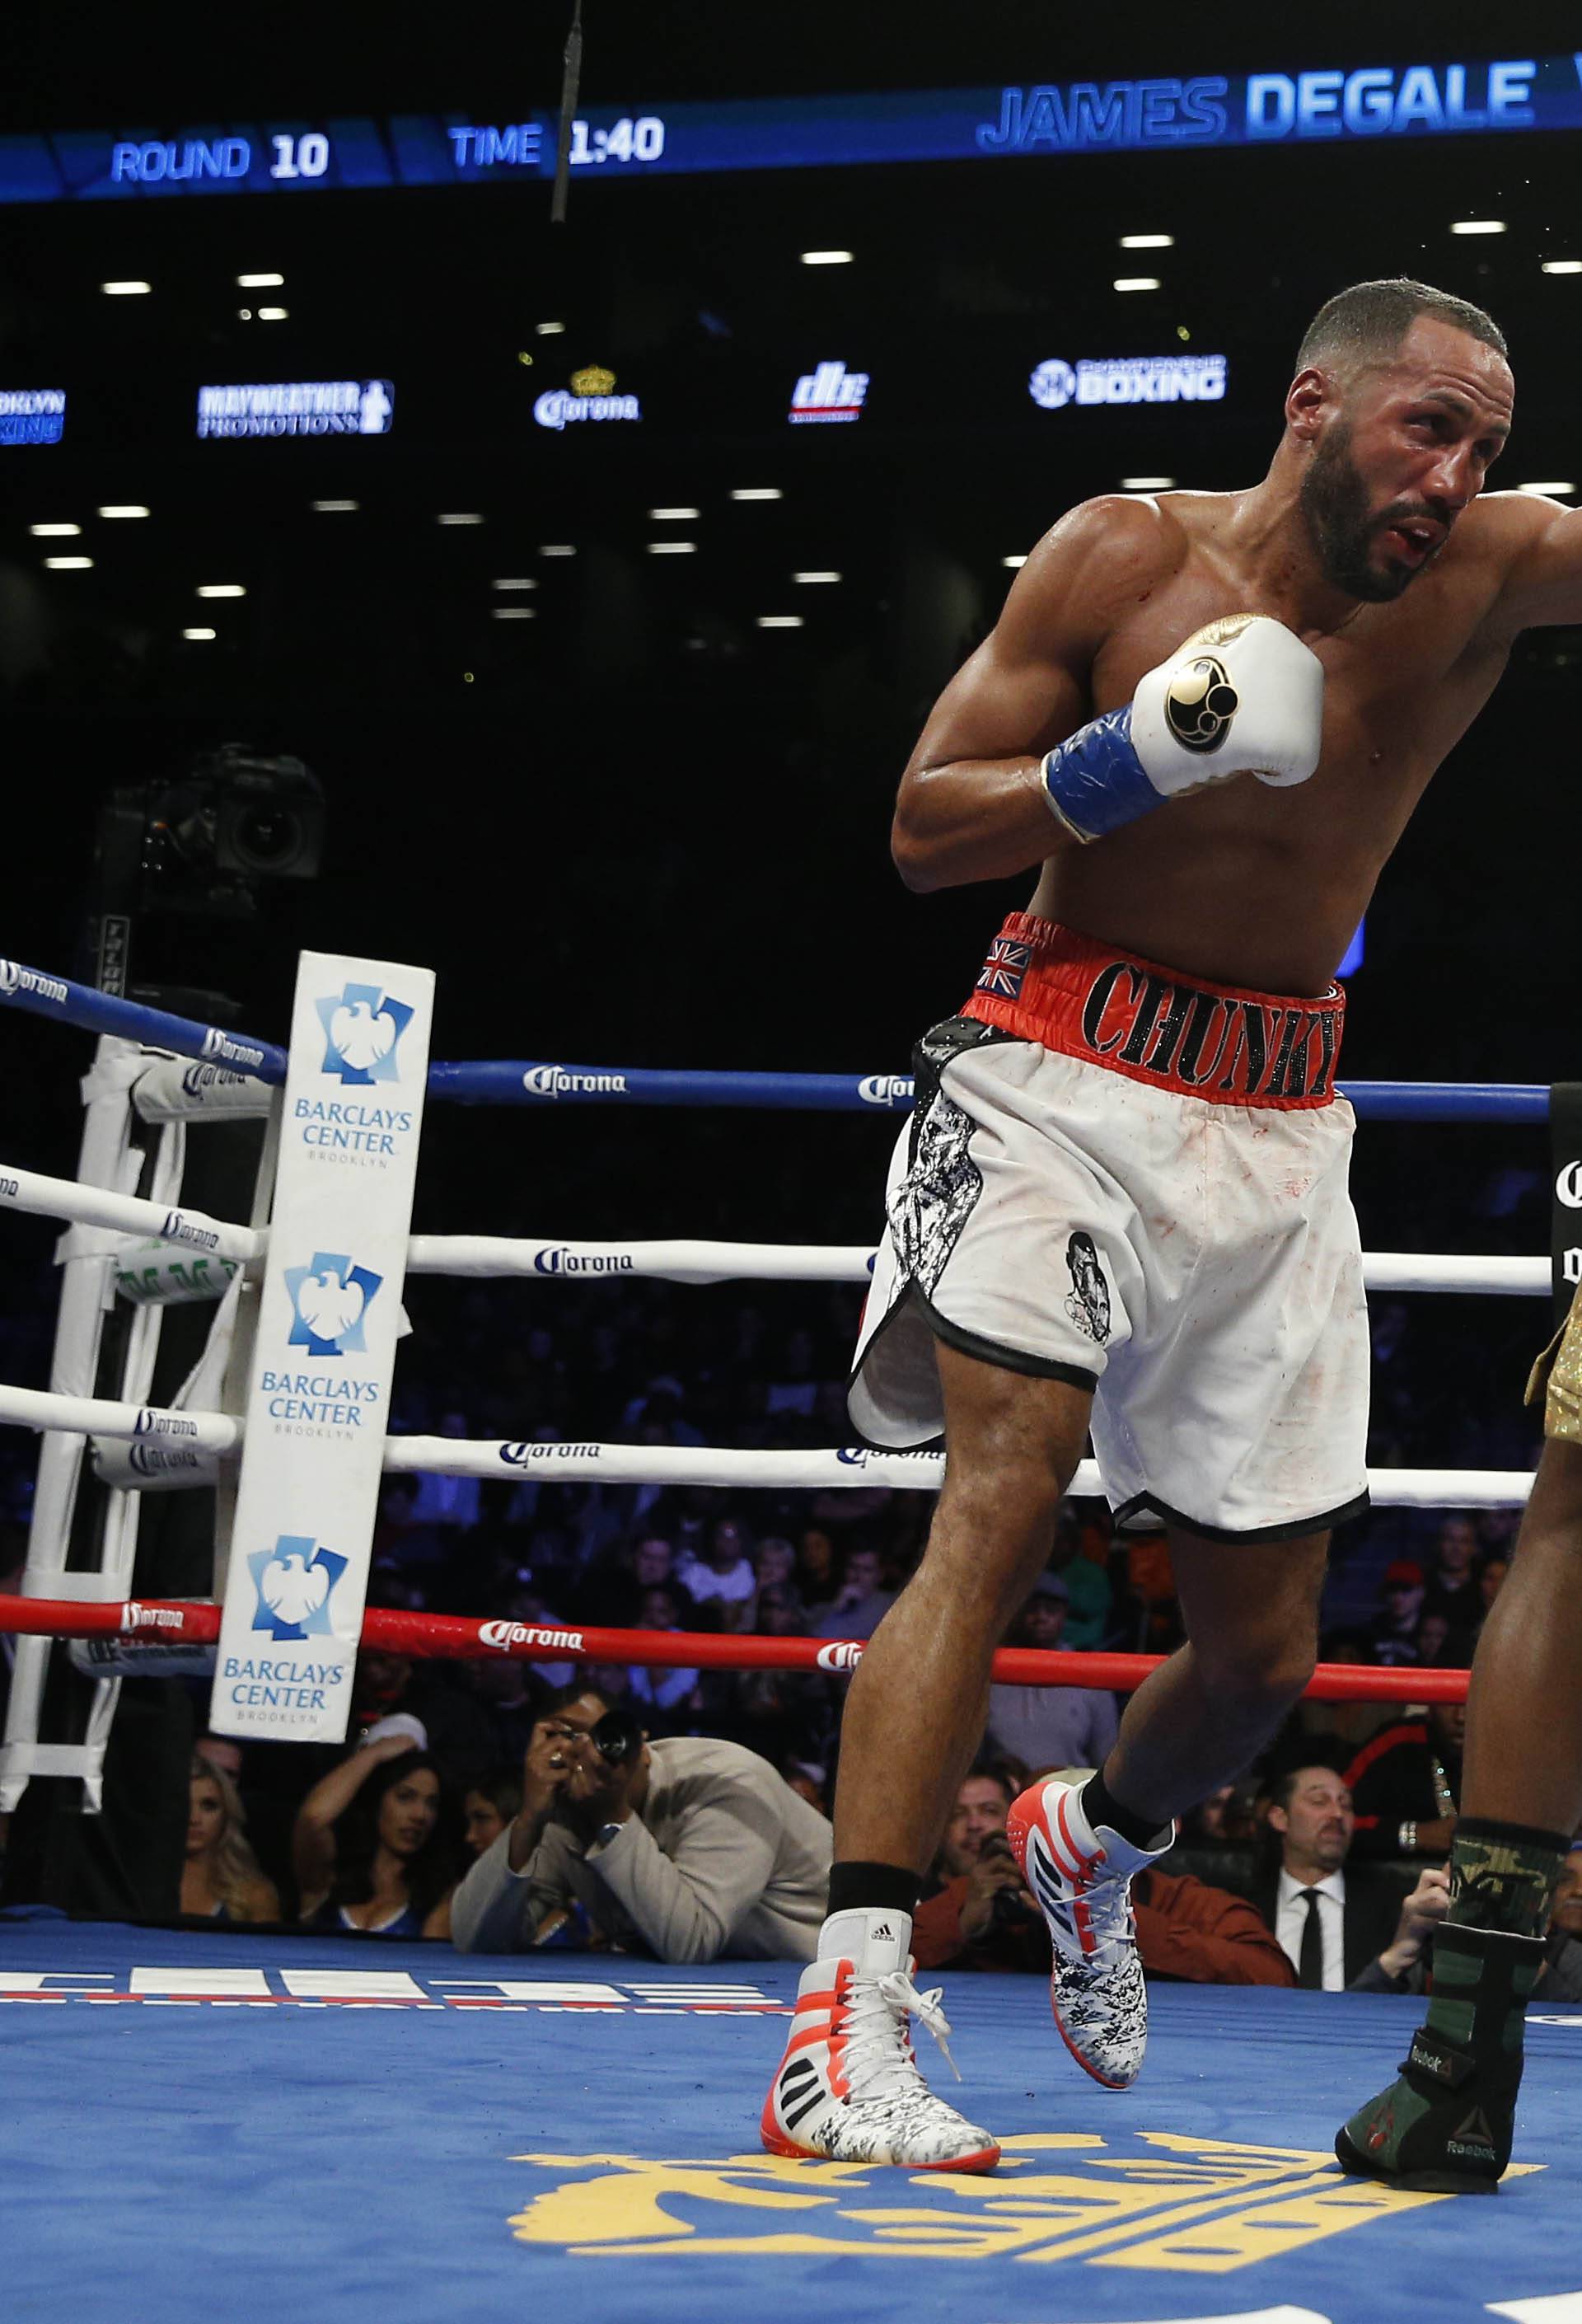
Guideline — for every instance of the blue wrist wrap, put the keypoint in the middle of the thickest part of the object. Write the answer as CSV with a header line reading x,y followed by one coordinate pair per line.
x,y
1096,779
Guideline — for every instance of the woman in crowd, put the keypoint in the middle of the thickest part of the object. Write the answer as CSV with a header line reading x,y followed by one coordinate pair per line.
x,y
222,1879
369,1846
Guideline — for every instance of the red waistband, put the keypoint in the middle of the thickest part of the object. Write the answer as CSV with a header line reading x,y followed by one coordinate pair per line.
x,y
1042,983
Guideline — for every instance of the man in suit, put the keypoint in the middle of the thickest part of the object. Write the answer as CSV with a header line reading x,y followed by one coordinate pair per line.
x,y
1332,1923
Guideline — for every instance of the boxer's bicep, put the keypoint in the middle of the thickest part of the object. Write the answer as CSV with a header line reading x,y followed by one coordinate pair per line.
x,y
1027,685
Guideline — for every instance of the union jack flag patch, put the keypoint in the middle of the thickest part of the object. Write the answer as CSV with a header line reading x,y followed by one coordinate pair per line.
x,y
1003,970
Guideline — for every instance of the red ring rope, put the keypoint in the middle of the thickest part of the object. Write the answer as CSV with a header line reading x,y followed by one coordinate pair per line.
x,y
472,1638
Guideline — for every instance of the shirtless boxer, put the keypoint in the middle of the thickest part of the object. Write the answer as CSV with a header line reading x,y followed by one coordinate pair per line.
x,y
1121,1199
1446,2124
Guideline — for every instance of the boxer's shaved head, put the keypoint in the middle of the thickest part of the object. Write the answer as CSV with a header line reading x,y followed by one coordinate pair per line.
x,y
1364,326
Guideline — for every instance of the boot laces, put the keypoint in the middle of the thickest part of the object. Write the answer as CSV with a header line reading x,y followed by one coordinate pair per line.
x,y
879,2064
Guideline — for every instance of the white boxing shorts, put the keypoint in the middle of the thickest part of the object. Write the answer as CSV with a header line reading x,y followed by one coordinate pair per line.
x,y
1135,1183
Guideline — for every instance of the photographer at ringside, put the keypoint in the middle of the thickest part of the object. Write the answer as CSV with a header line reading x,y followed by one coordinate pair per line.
x,y
687,1847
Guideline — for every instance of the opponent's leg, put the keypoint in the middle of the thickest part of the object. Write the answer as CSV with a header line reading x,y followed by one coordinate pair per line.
x,y
1251,1615
1446,2122
1251,1612
848,2086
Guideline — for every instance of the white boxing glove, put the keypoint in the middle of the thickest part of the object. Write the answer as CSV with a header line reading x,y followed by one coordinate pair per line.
x,y
1242,696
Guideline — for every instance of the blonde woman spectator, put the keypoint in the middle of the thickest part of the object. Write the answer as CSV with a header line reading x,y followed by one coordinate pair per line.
x,y
221,1879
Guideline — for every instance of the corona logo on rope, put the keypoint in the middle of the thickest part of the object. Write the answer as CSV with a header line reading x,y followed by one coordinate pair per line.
x,y
560,1260
14,978
330,1298
534,1452
1147,2199
507,1635
217,1044
886,1089
560,1080
362,1027
294,1581
179,1228
841,1654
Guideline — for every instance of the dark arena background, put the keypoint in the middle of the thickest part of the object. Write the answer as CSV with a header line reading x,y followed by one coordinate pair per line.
x,y
390,569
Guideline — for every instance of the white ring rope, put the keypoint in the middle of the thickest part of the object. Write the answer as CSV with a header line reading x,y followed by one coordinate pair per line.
x,y
674,1464
500,1257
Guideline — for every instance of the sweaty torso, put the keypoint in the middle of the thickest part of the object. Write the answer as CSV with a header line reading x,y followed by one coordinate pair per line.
x,y
1244,885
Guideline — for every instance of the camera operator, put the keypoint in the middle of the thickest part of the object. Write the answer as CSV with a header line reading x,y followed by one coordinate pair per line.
x,y
688,1847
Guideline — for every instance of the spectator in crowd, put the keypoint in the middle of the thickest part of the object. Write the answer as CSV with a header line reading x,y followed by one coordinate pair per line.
x,y
782,1714
490,1806
221,1751
1050,1726
1400,1968
1088,1595
1452,1580
862,1601
665,1700
817,1577
370,1848
1405,1781
1331,1923
1560,1978
773,1567
1394,1639
724,1579
221,1878
1490,1576
981,1916
448,1719
693,1848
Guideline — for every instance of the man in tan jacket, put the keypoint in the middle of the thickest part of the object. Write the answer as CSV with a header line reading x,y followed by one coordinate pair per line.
x,y
692,1848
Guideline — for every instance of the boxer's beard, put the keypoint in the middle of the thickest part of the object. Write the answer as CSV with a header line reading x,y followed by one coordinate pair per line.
x,y
1335,504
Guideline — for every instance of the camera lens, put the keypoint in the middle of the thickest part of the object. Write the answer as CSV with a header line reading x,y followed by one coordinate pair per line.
x,y
267,837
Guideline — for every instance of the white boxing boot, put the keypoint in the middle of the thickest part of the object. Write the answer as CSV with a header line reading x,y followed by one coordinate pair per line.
x,y
1082,1877
848,2089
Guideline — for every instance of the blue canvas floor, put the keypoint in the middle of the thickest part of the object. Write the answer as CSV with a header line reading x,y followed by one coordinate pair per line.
x,y
227,2129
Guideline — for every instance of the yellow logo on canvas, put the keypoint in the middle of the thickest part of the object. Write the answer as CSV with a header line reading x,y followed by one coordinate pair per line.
x,y
1154,2200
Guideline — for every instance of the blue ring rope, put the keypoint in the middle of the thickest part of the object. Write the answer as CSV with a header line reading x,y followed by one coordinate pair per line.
x,y
530,1082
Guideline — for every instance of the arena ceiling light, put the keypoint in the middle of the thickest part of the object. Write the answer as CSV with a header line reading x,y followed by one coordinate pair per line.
x,y
514,613
661,516
827,257
1147,242
1478,226
272,314
126,289
779,620
1551,491
1137,282
67,563
261,281
221,589
54,532
335,508
548,330
528,583
671,548
200,633
461,517
1561,266
816,576
1146,484
558,549
1014,560
757,493
127,508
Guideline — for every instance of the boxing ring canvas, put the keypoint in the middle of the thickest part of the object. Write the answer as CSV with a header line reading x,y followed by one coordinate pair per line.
x,y
335,2127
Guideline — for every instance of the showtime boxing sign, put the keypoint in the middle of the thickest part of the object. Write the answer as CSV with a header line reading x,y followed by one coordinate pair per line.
x,y
1128,379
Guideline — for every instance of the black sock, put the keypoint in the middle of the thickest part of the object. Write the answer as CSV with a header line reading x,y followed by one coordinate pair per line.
x,y
1100,1805
859,1887
1503,1875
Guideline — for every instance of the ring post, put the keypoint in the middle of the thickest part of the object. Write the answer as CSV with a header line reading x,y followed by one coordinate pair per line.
x,y
323,1352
